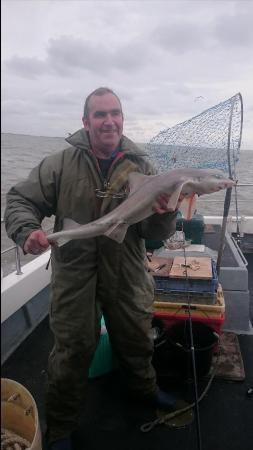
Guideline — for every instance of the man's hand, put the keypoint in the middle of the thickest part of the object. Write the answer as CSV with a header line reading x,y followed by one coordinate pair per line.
x,y
161,204
36,243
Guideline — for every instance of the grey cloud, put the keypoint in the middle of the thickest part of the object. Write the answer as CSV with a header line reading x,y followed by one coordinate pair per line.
x,y
19,107
227,31
136,54
179,37
235,29
59,98
161,98
26,67
66,54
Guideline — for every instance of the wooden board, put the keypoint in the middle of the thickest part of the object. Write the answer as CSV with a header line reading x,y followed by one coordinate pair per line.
x,y
198,268
159,266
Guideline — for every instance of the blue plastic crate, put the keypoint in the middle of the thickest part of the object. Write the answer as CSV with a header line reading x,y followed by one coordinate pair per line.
x,y
167,284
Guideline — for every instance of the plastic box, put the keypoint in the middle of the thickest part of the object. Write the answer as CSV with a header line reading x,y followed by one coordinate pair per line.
x,y
184,296
193,228
212,315
199,310
169,285
237,312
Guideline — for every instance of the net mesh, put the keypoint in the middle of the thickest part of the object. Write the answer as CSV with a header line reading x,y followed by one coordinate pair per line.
x,y
209,140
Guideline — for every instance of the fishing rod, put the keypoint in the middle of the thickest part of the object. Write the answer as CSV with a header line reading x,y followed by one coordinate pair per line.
x,y
193,360
148,426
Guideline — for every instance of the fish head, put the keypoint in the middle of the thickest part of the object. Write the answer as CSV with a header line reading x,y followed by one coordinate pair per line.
x,y
208,181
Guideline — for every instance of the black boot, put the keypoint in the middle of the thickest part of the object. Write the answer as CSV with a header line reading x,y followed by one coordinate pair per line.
x,y
163,400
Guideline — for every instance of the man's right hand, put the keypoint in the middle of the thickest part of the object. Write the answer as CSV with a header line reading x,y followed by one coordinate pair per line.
x,y
36,243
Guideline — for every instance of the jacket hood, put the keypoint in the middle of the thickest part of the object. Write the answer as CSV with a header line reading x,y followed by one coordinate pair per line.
x,y
80,139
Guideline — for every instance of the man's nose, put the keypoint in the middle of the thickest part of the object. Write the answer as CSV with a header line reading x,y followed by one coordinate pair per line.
x,y
109,119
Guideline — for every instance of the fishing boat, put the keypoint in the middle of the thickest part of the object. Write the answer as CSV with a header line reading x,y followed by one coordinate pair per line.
x,y
223,419
109,417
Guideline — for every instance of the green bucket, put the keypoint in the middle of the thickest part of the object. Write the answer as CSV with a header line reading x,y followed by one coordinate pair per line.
x,y
103,360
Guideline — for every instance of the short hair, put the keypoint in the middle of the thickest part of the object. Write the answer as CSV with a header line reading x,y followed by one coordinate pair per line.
x,y
99,92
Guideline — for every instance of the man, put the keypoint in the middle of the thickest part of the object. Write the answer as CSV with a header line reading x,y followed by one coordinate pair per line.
x,y
94,276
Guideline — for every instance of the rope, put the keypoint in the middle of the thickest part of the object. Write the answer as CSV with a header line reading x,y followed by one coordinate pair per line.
x,y
11,441
162,420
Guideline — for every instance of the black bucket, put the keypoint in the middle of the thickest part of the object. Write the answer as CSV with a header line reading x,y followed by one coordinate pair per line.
x,y
204,341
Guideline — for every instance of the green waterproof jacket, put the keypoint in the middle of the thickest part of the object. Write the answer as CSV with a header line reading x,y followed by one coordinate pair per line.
x,y
64,185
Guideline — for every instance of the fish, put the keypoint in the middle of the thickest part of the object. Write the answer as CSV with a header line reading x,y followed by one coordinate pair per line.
x,y
143,193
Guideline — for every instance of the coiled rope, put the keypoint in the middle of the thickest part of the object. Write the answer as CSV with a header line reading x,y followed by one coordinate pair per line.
x,y
167,417
11,441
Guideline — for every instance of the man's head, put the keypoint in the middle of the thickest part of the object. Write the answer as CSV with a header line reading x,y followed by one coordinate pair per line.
x,y
103,120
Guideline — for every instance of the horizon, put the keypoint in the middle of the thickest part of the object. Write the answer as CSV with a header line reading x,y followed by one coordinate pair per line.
x,y
64,137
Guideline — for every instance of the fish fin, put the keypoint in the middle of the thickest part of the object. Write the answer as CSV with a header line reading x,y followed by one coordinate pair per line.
x,y
58,241
69,224
174,197
62,241
136,180
188,206
117,232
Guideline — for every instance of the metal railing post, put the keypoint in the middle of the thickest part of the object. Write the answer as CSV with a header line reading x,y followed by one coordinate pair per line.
x,y
18,263
16,249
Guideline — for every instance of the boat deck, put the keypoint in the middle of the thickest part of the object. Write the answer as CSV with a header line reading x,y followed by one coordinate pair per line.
x,y
112,420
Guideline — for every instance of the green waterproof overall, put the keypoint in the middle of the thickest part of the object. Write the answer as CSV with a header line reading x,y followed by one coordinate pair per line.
x,y
90,277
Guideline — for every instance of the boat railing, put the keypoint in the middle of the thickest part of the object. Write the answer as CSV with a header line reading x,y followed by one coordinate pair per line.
x,y
17,251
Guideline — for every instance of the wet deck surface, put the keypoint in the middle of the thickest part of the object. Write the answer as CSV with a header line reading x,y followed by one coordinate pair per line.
x,y
111,420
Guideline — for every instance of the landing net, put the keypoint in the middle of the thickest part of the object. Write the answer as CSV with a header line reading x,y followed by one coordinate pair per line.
x,y
211,139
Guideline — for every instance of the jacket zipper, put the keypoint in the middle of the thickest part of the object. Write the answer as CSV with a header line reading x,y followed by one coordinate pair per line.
x,y
105,181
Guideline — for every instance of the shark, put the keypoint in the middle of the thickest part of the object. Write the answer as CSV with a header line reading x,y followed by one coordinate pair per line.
x,y
143,193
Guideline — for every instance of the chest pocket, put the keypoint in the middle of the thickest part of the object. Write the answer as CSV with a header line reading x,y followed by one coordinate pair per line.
x,y
78,201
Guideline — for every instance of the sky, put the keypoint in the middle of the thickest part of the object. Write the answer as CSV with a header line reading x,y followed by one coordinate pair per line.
x,y
166,60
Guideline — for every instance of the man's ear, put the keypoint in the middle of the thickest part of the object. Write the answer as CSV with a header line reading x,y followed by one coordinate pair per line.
x,y
85,124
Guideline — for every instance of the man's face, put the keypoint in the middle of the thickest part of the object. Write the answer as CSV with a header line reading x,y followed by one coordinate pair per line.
x,y
104,122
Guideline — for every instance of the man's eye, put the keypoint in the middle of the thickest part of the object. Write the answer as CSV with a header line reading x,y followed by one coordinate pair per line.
x,y
100,114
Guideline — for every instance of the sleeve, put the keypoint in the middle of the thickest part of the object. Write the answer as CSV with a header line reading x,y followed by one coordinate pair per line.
x,y
158,226
31,200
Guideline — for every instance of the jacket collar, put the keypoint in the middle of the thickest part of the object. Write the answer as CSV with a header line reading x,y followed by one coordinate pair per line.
x,y
80,140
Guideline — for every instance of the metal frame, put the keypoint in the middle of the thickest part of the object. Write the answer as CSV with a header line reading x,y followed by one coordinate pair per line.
x,y
227,200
